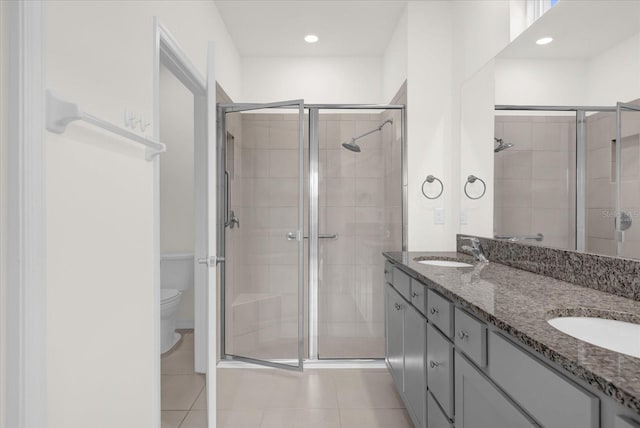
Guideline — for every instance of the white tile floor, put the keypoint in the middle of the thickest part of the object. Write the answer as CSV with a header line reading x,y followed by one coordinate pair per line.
x,y
269,398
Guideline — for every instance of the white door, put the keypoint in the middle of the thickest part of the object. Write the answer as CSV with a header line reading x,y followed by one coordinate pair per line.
x,y
206,245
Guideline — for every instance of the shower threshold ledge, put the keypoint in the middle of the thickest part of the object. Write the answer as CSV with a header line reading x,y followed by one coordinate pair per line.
x,y
311,364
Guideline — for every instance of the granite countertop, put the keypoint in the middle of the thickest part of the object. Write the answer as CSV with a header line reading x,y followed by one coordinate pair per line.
x,y
520,303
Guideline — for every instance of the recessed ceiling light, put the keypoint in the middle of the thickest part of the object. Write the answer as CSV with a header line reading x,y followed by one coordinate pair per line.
x,y
311,38
544,41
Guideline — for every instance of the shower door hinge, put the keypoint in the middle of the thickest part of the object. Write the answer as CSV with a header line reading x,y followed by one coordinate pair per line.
x,y
211,261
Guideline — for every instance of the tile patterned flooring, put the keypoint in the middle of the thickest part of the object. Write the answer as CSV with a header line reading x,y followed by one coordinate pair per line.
x,y
269,398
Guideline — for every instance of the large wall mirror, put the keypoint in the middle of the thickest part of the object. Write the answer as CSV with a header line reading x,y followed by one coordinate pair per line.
x,y
566,143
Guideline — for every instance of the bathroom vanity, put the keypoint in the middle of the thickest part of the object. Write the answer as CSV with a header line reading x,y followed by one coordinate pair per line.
x,y
470,347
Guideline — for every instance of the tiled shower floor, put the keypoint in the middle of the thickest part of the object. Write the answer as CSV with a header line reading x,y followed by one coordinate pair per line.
x,y
269,398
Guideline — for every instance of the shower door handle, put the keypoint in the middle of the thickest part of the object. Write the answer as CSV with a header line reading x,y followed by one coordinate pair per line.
x,y
210,261
226,198
292,236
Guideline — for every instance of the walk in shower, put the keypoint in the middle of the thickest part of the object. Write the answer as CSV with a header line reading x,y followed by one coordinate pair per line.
x,y
305,221
564,181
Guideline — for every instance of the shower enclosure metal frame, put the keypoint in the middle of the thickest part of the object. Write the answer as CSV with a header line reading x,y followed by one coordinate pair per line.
x,y
313,189
581,157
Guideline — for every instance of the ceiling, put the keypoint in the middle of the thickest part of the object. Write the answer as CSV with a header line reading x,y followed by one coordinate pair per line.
x,y
277,28
580,29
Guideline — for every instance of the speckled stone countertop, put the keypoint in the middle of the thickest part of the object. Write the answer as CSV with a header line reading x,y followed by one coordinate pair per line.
x,y
520,303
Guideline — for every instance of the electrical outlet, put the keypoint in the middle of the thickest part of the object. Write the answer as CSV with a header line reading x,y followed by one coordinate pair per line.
x,y
438,216
464,216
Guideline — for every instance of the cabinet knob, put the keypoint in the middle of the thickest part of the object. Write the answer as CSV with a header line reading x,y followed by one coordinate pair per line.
x,y
386,271
434,310
398,306
433,364
462,334
414,294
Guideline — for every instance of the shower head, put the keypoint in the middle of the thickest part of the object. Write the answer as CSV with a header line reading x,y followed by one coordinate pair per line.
x,y
351,145
501,145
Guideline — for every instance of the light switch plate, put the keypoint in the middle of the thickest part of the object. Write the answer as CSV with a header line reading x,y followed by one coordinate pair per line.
x,y
464,216
438,216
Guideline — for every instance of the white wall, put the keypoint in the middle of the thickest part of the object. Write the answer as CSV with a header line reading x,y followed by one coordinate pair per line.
x,y
316,79
396,58
177,224
448,42
476,142
541,82
481,31
101,355
3,206
429,104
177,180
614,75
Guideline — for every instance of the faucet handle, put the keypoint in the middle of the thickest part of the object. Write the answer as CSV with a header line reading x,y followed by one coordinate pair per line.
x,y
471,239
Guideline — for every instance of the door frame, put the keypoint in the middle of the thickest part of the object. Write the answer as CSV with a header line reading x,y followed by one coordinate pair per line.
x,y
168,52
24,395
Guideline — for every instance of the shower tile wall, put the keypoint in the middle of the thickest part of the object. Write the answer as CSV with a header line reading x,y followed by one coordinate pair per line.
x,y
351,311
359,200
601,186
535,179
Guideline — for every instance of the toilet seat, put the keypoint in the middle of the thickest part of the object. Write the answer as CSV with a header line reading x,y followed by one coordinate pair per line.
x,y
169,295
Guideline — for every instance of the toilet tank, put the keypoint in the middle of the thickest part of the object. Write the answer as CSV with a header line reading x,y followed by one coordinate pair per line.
x,y
176,271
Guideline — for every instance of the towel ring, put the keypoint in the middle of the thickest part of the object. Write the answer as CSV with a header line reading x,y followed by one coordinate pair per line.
x,y
431,179
472,179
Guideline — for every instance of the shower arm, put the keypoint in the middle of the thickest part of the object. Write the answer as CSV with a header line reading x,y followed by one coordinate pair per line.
x,y
378,129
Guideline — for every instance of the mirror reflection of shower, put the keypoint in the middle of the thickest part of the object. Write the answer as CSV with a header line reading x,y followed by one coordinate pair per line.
x,y
351,145
500,145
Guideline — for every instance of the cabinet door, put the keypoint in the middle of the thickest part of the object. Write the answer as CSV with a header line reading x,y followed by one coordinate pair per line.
x,y
415,380
440,368
479,404
394,335
435,417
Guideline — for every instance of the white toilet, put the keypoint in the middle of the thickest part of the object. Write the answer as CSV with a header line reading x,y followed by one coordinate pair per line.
x,y
176,276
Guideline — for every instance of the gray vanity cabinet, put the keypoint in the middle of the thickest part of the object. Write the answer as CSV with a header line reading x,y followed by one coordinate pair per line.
x,y
480,404
415,377
406,336
394,335
453,370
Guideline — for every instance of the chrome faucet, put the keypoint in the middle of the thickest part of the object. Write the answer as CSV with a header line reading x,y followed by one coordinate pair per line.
x,y
475,248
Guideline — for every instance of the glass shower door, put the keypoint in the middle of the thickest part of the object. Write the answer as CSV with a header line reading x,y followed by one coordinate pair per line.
x,y
261,219
626,165
360,215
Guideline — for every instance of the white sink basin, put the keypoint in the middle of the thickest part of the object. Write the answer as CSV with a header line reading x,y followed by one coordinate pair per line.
x,y
446,263
618,336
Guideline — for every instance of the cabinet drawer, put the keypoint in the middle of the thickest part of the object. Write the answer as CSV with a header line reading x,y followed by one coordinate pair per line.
x,y
402,283
440,368
388,272
439,312
419,295
435,417
471,337
549,397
